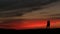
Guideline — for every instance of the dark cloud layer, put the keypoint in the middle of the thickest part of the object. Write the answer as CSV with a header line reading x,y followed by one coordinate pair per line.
x,y
6,4
8,7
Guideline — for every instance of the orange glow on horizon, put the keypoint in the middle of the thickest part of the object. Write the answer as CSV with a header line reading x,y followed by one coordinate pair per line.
x,y
30,24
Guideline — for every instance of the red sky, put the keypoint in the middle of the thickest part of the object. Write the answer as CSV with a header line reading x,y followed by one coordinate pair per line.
x,y
30,24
